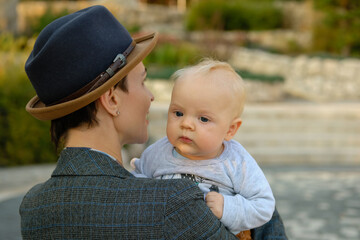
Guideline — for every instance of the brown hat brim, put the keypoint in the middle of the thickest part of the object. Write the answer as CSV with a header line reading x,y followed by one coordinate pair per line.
x,y
39,110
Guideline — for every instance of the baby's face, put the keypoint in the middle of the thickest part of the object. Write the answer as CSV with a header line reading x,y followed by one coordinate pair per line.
x,y
199,117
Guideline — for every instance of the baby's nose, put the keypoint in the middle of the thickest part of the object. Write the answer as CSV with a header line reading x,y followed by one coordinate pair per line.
x,y
187,123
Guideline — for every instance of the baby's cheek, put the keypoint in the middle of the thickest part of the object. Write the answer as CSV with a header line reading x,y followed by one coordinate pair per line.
x,y
209,143
171,134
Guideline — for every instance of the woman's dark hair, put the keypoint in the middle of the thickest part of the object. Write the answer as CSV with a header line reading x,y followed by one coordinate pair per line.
x,y
86,115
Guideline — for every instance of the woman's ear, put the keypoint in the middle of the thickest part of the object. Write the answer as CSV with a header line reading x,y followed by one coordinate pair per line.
x,y
236,123
110,102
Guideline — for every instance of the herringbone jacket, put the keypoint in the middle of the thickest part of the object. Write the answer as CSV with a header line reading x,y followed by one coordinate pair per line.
x,y
90,196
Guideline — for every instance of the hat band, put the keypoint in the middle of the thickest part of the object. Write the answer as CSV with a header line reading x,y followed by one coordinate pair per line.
x,y
118,63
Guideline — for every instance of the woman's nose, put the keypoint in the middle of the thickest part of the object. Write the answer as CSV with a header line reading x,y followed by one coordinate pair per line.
x,y
152,98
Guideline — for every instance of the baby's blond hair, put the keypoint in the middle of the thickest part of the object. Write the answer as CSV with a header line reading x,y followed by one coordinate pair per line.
x,y
234,82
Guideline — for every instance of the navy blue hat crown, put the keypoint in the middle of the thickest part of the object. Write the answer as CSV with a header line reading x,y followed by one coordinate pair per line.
x,y
73,50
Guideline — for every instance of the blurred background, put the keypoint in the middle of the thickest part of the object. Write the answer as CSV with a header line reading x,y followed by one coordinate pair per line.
x,y
300,62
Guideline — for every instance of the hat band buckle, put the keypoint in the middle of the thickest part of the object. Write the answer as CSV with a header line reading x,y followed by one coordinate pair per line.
x,y
122,60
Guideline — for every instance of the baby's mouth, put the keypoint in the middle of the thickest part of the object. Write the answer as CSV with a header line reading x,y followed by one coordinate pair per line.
x,y
185,139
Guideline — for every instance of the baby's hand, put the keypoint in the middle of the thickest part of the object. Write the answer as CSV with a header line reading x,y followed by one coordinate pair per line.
x,y
132,163
215,201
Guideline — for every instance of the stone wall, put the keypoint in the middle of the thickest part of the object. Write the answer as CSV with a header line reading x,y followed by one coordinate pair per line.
x,y
311,78
324,79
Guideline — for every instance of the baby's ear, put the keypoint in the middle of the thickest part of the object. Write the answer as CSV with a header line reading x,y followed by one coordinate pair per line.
x,y
236,123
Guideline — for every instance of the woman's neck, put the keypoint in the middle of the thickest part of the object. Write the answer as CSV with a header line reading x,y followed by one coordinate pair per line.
x,y
95,138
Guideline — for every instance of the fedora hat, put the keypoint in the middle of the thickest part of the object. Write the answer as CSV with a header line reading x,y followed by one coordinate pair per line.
x,y
77,58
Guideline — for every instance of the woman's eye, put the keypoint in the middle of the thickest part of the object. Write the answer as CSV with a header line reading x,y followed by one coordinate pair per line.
x,y
204,119
178,114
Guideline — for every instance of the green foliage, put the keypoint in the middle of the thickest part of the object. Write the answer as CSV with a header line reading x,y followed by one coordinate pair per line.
x,y
338,31
179,54
165,72
260,77
160,72
23,139
9,43
132,29
233,15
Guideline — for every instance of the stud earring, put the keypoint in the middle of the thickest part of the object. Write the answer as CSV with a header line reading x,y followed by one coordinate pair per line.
x,y
118,112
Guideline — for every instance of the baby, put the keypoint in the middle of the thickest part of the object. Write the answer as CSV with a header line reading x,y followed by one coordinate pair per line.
x,y
204,115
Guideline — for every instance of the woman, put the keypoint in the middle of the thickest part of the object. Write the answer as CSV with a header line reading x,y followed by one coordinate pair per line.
x,y
89,78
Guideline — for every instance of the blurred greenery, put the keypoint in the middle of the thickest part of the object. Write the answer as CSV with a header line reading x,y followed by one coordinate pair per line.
x,y
175,54
233,15
164,72
23,139
9,43
338,30
155,71
260,77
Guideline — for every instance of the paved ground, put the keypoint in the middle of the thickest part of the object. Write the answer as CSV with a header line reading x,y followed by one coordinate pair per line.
x,y
14,182
315,202
318,202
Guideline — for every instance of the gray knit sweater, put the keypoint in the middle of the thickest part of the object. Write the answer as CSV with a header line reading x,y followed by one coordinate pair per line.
x,y
248,199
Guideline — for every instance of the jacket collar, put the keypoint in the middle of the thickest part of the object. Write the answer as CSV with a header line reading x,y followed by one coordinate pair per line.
x,y
85,162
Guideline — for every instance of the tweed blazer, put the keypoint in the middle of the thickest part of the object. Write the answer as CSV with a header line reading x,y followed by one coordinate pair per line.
x,y
91,196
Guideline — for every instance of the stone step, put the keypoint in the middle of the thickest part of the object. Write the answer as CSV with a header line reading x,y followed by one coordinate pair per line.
x,y
305,110
307,155
298,125
296,139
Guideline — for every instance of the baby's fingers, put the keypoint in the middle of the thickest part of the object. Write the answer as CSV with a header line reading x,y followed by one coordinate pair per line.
x,y
215,202
213,196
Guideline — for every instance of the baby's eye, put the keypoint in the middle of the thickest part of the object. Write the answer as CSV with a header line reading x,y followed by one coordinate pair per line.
x,y
178,114
204,119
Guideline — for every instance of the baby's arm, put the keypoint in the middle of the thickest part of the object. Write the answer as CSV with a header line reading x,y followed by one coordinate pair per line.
x,y
254,203
241,214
